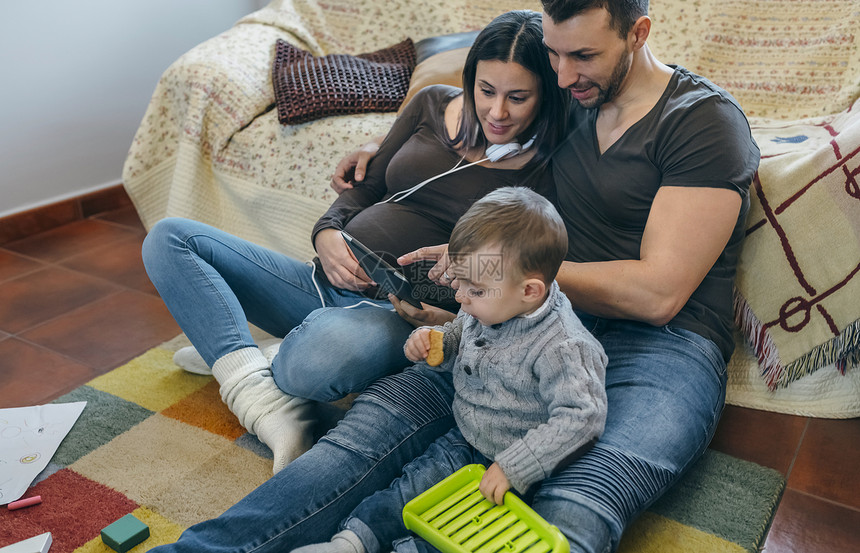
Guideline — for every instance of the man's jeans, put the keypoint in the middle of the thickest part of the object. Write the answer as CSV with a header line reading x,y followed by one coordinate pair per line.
x,y
666,389
214,283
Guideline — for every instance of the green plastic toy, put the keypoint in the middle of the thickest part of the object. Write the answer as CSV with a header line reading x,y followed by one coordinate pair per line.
x,y
454,517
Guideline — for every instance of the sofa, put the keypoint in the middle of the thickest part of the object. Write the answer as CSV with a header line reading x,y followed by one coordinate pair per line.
x,y
211,147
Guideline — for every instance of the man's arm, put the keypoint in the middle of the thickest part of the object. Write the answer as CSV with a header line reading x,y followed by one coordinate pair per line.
x,y
686,232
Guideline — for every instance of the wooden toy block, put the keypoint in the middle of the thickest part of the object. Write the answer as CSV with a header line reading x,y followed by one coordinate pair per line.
x,y
125,533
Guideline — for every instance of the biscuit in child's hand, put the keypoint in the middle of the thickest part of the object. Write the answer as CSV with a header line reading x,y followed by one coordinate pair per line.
x,y
435,357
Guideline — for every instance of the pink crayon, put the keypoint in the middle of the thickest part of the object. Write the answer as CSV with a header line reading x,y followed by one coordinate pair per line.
x,y
35,500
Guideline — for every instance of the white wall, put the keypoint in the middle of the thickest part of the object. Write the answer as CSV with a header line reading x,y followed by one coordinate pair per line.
x,y
75,80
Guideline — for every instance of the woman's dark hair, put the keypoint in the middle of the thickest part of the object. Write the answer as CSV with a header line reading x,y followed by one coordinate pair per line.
x,y
516,36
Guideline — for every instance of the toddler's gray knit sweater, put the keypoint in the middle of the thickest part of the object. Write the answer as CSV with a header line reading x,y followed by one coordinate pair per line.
x,y
529,392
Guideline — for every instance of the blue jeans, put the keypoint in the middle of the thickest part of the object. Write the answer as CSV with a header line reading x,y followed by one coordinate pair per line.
x,y
378,520
666,390
214,283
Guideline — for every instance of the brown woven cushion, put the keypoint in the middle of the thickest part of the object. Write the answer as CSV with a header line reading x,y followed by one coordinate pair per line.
x,y
309,87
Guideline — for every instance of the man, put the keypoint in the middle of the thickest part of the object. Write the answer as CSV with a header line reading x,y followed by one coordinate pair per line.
x,y
652,184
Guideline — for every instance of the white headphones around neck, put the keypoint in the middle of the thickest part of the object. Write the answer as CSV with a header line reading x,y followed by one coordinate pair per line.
x,y
498,152
495,152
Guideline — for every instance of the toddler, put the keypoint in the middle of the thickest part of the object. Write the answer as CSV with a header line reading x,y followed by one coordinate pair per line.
x,y
528,377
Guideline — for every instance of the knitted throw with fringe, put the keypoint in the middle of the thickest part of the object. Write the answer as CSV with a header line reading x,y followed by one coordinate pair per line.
x,y
798,287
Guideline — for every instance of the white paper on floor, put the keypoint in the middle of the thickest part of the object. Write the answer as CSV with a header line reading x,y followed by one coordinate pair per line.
x,y
29,437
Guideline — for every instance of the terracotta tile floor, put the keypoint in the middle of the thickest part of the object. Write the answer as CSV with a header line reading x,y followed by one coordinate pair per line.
x,y
75,302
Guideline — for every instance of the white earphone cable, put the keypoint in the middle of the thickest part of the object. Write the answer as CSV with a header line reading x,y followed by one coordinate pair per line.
x,y
322,300
397,196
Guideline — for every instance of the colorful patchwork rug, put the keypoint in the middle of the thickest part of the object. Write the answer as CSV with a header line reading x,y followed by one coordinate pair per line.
x,y
157,442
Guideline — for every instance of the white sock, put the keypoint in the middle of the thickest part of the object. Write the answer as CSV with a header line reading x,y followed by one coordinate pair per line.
x,y
345,541
270,348
281,421
188,359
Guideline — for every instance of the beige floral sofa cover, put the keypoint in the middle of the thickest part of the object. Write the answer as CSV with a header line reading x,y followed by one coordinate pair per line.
x,y
210,147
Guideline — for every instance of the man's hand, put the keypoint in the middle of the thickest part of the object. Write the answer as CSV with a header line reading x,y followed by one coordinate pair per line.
x,y
340,266
494,484
439,254
429,315
352,168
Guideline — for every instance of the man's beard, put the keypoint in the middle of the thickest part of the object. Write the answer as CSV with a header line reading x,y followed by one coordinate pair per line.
x,y
608,92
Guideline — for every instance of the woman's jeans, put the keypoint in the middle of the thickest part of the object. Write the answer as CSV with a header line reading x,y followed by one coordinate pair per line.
x,y
214,283
666,389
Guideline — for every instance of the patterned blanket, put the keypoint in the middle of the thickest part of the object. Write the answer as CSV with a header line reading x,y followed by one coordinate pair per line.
x,y
798,286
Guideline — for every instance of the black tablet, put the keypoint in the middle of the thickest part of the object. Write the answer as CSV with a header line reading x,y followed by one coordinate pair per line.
x,y
387,277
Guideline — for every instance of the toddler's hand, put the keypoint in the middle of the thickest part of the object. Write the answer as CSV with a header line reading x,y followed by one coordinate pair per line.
x,y
494,484
418,344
